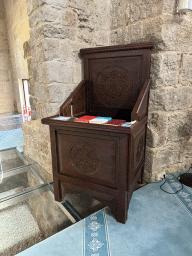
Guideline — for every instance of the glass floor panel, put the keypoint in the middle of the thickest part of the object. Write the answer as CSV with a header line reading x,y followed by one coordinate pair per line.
x,y
18,180
27,205
30,218
10,122
12,158
27,193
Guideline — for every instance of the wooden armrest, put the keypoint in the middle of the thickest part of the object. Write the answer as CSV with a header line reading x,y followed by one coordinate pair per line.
x,y
140,109
79,98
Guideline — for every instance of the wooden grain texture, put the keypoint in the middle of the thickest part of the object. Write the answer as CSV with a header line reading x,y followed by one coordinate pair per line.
x,y
79,98
104,161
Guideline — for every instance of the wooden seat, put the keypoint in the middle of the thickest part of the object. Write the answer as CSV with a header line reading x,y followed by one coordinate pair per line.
x,y
104,161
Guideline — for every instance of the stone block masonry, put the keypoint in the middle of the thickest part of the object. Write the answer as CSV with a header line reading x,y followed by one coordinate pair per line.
x,y
59,29
17,23
169,134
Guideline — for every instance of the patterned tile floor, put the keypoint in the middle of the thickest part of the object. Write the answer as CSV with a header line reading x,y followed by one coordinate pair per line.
x,y
158,224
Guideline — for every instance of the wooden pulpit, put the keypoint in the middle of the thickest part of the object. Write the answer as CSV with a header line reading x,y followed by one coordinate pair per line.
x,y
101,160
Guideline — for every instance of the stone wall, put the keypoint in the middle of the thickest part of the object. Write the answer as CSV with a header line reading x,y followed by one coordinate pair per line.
x,y
37,143
169,138
61,28
6,92
18,32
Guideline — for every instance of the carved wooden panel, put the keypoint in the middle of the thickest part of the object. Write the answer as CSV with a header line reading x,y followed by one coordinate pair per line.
x,y
137,153
87,155
139,148
85,158
116,83
112,86
79,98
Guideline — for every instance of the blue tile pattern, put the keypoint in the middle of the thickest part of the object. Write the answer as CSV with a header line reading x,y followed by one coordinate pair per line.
x,y
184,196
96,241
158,224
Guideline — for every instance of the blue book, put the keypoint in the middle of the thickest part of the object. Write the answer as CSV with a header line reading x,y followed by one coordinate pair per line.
x,y
64,118
100,120
128,124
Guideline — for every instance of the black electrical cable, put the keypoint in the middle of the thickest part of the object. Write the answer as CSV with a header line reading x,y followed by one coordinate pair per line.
x,y
162,185
166,181
147,183
178,180
169,192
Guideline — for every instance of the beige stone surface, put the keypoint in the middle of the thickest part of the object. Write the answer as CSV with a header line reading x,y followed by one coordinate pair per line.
x,y
32,5
180,127
30,67
18,33
37,143
2,13
117,13
159,162
55,71
18,230
77,72
102,38
49,216
170,99
49,30
69,17
177,33
46,13
59,30
134,33
169,7
164,69
6,91
139,9
186,77
4,74
157,129
117,36
152,30
3,31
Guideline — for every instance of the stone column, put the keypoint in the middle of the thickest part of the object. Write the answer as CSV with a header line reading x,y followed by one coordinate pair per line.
x,y
6,93
18,32
59,29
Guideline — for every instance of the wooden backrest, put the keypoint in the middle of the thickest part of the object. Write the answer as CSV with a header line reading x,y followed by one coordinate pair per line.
x,y
116,75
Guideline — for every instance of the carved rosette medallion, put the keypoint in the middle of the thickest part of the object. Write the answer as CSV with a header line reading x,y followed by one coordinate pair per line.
x,y
85,158
139,149
113,86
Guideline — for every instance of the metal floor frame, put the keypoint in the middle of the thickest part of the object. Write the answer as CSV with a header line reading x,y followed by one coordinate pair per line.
x,y
44,186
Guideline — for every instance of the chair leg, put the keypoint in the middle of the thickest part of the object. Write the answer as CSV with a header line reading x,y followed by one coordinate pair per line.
x,y
57,190
122,208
